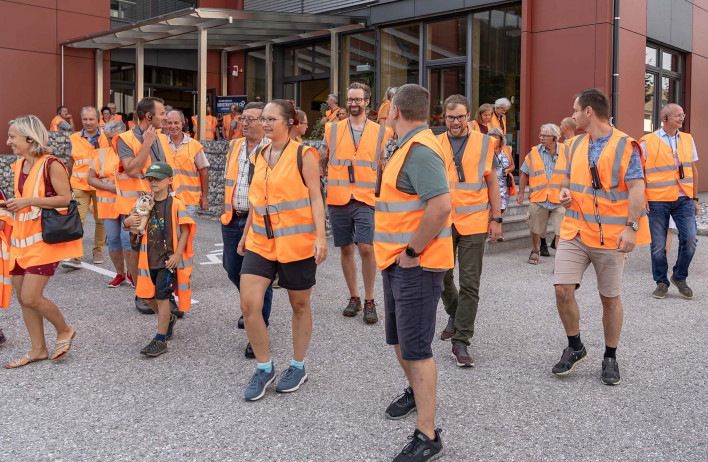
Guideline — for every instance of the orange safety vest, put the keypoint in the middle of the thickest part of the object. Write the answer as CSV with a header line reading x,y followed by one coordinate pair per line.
x,y
612,199
131,125
364,158
186,183
144,287
661,174
384,109
6,278
541,188
237,132
496,124
54,124
475,126
470,199
128,189
288,204
231,179
27,248
331,114
116,118
105,164
210,128
82,154
398,214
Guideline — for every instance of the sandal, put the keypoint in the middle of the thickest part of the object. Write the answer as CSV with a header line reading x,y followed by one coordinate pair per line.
x,y
533,260
17,363
62,347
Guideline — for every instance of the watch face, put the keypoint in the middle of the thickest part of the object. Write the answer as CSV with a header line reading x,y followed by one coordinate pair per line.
x,y
410,252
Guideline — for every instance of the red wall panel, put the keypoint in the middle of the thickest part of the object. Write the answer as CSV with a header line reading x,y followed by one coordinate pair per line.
x,y
699,115
73,25
93,8
561,14
700,24
631,84
237,85
17,19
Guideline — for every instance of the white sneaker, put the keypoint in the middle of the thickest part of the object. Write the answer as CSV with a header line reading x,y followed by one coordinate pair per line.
x,y
74,263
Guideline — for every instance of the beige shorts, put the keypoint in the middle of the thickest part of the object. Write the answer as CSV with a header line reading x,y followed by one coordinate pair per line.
x,y
573,258
537,218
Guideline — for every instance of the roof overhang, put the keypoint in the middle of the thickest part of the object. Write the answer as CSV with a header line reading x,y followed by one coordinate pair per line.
x,y
228,30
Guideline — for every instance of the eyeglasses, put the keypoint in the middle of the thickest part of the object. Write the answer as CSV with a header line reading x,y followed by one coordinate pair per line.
x,y
460,118
250,120
269,120
545,136
356,100
680,116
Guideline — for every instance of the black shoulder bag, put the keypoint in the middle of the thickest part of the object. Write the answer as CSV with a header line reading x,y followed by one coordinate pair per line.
x,y
59,227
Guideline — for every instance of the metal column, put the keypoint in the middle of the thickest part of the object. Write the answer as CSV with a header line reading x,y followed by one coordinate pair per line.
x,y
139,71
224,73
334,64
62,75
99,79
202,82
269,72
468,62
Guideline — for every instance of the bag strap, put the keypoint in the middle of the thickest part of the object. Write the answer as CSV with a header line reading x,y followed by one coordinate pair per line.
x,y
299,163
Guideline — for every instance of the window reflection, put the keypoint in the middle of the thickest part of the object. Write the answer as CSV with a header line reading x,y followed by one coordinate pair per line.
x,y
649,83
447,39
399,56
443,83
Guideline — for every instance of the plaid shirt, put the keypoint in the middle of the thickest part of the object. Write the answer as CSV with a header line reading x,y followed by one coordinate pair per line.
x,y
240,197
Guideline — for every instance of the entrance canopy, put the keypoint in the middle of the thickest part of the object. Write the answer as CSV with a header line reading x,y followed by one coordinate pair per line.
x,y
213,28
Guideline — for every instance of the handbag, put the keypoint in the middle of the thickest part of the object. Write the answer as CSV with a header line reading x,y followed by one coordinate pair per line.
x,y
58,227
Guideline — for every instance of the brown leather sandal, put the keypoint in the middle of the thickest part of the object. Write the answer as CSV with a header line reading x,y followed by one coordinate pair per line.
x,y
534,260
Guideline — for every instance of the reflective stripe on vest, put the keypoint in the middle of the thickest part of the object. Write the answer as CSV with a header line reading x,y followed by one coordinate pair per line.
x,y
231,177
662,177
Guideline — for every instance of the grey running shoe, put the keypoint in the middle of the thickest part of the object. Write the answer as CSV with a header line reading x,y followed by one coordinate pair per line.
x,y
660,291
370,316
291,379
569,360
462,356
353,307
683,289
449,330
257,386
171,326
401,406
154,348
610,372
420,448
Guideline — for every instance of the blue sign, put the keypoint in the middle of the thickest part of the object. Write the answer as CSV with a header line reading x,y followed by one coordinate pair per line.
x,y
223,103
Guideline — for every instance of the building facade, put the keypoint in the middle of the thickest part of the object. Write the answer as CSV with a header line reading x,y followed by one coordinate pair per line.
x,y
536,53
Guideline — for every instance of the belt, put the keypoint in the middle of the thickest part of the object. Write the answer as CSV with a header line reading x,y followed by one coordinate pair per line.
x,y
239,213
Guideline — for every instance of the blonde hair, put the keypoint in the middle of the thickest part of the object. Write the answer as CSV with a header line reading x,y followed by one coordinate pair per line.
x,y
31,127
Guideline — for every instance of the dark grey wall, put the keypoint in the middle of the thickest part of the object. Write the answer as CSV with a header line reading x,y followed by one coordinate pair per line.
x,y
396,10
173,59
671,22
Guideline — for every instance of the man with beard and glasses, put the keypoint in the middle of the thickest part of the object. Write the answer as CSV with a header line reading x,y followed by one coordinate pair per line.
x,y
355,147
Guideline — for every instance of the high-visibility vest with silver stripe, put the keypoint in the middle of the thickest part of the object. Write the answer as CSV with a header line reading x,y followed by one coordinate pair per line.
x,y
542,188
186,182
82,154
128,188
661,173
105,164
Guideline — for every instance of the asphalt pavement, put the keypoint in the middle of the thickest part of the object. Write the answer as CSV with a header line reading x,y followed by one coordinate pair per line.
x,y
105,401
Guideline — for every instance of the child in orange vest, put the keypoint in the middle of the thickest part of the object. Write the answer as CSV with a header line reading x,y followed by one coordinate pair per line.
x,y
164,263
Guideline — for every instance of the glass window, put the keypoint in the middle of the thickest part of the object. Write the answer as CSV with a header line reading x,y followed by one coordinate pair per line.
x,y
443,83
358,60
322,62
651,57
297,61
670,91
399,56
670,62
649,83
447,39
255,75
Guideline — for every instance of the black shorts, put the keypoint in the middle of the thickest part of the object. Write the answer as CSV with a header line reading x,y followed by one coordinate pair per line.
x,y
165,282
296,275
411,297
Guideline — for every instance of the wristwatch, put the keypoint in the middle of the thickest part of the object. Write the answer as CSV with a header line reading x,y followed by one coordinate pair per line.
x,y
498,220
695,199
410,253
634,226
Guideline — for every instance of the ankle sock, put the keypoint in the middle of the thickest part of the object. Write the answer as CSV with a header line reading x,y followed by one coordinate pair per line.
x,y
574,342
161,337
298,364
610,352
543,242
268,367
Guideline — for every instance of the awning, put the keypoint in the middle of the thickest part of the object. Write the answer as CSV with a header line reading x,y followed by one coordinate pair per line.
x,y
228,30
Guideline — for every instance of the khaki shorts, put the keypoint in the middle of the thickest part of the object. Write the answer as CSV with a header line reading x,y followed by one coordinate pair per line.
x,y
573,258
537,218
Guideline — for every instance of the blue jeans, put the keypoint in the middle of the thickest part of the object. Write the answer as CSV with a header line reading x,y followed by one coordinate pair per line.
x,y
231,235
116,237
684,214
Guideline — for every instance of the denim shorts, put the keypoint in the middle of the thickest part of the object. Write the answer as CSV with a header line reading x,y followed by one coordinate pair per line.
x,y
352,223
116,237
411,297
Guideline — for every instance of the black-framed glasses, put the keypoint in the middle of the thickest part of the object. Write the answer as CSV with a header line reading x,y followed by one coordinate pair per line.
x,y
460,118
269,120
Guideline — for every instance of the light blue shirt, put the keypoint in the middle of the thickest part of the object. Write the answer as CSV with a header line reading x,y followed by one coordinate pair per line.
x,y
634,169
549,162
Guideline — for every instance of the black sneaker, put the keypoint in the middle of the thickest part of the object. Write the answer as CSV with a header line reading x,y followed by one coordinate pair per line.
x,y
249,352
240,323
154,348
142,306
569,360
420,448
2,337
401,406
171,326
370,316
353,307
610,372
174,309
449,330
544,251
553,243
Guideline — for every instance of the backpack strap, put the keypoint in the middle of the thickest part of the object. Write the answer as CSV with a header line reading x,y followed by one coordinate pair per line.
x,y
299,163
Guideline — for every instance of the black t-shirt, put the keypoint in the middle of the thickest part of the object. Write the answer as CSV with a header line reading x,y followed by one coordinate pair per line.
x,y
160,220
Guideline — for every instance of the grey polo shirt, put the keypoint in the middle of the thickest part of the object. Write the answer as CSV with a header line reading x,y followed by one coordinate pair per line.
x,y
125,152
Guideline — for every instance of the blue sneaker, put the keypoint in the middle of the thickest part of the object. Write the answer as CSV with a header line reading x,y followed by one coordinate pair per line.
x,y
291,380
257,386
